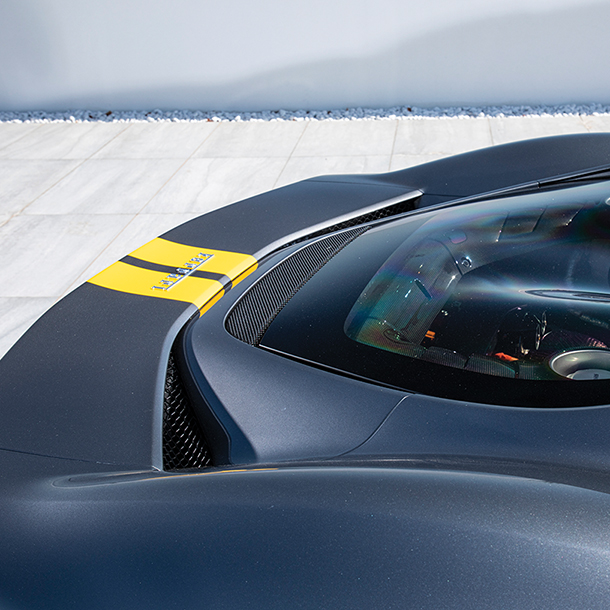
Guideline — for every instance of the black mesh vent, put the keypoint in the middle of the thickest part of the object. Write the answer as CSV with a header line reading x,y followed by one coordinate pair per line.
x,y
183,443
392,210
255,311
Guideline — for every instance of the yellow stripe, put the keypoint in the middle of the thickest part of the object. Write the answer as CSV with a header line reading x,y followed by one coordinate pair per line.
x,y
164,252
199,291
135,280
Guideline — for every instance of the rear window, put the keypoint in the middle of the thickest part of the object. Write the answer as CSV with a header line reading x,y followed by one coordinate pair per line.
x,y
503,302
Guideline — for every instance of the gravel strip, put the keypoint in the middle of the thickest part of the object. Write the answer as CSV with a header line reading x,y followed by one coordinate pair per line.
x,y
347,114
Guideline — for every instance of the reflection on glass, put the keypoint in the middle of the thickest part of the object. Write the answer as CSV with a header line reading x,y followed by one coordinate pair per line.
x,y
500,288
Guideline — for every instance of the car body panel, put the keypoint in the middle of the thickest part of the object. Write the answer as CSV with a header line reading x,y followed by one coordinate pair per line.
x,y
303,537
326,491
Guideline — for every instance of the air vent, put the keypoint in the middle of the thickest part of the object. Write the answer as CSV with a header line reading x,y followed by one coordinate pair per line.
x,y
391,210
184,445
254,312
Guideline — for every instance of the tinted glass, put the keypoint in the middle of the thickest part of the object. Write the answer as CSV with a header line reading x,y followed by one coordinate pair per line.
x,y
495,302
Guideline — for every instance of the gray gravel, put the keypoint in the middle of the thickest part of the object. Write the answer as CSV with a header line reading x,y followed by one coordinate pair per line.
x,y
340,114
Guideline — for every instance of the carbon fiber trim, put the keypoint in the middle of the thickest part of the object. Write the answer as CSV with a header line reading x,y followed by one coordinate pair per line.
x,y
254,312
184,445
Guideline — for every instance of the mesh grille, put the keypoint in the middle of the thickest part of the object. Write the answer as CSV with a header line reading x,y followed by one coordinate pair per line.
x,y
443,356
183,443
392,210
255,311
489,366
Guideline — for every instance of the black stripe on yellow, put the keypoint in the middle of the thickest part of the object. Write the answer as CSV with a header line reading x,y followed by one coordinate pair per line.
x,y
208,275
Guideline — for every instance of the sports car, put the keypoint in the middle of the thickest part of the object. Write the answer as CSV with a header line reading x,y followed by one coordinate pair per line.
x,y
359,391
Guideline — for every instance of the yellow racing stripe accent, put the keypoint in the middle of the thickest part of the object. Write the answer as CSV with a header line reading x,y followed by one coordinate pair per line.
x,y
164,252
202,292
135,280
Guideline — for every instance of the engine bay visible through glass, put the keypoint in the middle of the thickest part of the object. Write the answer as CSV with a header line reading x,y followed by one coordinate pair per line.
x,y
498,300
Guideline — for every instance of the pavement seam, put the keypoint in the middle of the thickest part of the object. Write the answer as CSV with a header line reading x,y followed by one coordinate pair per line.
x,y
290,155
63,177
204,140
491,132
106,143
21,137
83,161
393,145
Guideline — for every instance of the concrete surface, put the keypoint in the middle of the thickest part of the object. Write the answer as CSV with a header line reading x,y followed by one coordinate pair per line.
x,y
75,197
